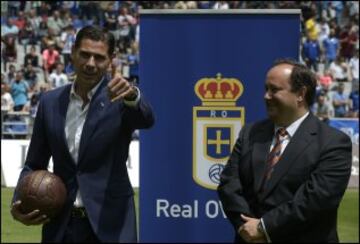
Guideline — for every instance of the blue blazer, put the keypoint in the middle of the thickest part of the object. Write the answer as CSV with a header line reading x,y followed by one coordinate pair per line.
x,y
101,172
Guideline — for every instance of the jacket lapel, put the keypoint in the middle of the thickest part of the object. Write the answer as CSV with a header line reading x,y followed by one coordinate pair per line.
x,y
97,107
63,104
297,146
261,147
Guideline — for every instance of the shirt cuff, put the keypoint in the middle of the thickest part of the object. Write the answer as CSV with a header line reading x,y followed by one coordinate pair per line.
x,y
135,102
264,228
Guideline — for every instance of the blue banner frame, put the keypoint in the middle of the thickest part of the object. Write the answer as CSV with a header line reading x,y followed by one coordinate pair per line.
x,y
203,72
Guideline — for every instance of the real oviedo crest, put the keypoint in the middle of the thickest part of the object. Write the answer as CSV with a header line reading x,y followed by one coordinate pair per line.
x,y
216,125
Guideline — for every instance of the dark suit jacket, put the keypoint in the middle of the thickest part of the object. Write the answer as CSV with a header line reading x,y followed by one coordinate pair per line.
x,y
101,172
300,201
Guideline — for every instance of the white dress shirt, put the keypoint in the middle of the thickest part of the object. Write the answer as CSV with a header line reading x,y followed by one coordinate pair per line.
x,y
75,120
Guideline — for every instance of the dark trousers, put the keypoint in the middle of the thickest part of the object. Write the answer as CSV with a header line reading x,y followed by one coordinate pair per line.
x,y
79,230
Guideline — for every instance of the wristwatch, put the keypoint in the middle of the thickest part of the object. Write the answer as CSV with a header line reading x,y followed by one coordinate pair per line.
x,y
260,228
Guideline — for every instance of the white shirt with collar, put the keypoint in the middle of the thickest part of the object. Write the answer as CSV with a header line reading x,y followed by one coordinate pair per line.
x,y
291,129
75,120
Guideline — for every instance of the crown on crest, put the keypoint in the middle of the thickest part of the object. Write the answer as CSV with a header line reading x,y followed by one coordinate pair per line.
x,y
218,91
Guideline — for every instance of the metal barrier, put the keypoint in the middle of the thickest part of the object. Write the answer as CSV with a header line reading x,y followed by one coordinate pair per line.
x,y
15,125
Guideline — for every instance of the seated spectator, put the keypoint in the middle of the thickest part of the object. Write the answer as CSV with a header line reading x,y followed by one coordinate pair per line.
x,y
42,32
326,79
32,58
58,77
8,52
10,28
28,35
55,23
30,76
50,39
340,102
7,102
321,108
10,77
339,69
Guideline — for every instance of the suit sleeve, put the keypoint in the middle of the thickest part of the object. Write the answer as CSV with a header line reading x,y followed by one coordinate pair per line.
x,y
140,116
230,189
38,154
319,195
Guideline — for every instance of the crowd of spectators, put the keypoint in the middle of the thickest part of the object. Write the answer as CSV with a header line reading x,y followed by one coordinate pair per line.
x,y
44,32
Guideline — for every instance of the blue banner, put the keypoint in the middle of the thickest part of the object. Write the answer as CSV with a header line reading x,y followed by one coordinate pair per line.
x,y
204,73
348,126
351,128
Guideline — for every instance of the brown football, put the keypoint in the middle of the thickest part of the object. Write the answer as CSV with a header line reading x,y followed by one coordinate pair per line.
x,y
43,190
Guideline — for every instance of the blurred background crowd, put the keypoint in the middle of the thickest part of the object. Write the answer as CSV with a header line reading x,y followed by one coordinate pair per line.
x,y
37,36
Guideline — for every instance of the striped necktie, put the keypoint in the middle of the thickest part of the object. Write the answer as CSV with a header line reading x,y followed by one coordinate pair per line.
x,y
274,155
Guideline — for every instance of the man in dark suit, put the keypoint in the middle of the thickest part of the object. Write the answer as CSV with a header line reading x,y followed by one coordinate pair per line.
x,y
286,175
86,128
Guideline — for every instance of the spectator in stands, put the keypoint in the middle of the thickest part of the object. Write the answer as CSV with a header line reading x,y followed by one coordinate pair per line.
x,y
321,108
30,76
19,91
324,31
354,69
9,52
67,41
20,22
10,28
339,69
311,27
133,62
49,39
126,23
311,53
58,78
28,35
11,74
330,48
32,57
221,5
348,39
104,113
42,33
55,23
34,21
354,101
7,102
340,102
110,20
50,58
326,79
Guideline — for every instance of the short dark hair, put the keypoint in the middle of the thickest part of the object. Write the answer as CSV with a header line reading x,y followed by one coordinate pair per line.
x,y
301,76
96,33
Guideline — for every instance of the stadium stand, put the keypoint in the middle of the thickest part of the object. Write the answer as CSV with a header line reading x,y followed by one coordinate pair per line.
x,y
37,35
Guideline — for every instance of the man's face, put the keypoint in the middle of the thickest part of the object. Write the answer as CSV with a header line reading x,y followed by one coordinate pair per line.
x,y
90,61
281,102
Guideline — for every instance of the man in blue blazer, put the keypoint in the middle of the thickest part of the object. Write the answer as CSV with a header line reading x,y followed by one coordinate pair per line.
x,y
287,174
86,128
